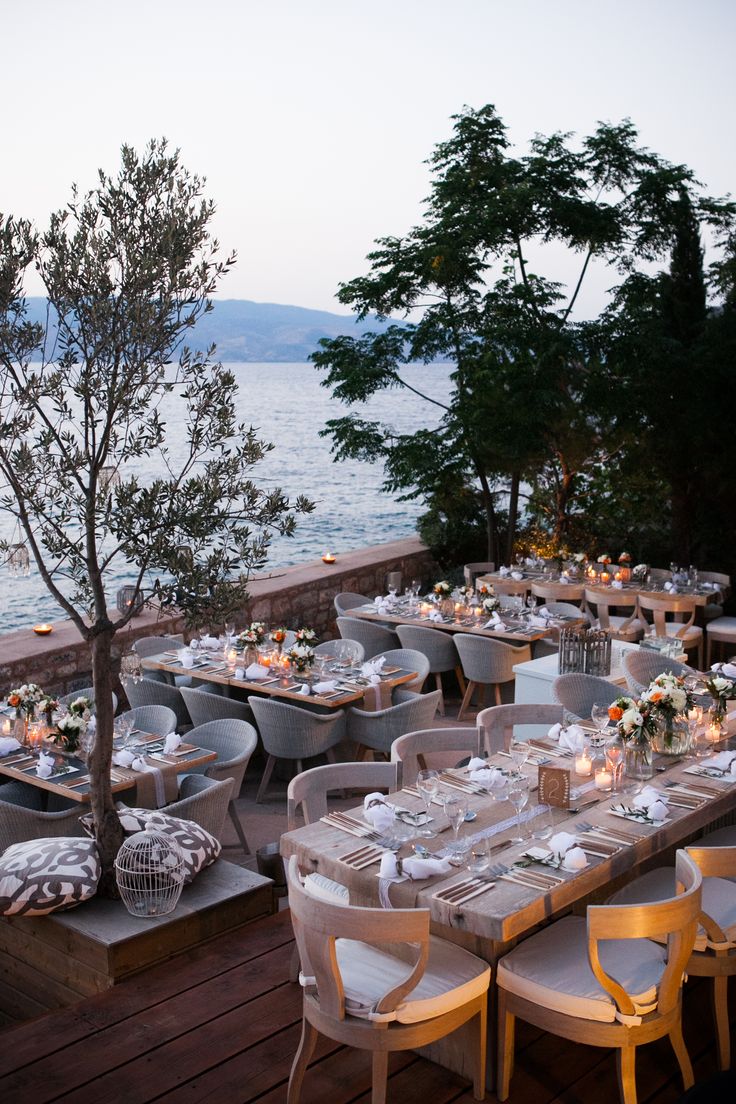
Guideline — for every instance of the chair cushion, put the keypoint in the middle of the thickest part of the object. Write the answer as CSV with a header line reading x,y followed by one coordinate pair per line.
x,y
198,848
672,628
45,875
452,978
722,626
719,899
551,969
323,888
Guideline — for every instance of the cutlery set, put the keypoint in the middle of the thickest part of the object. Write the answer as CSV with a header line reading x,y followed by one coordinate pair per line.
x,y
349,824
461,892
364,856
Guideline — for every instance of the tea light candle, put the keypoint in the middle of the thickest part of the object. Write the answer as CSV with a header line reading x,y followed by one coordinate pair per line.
x,y
714,732
583,763
618,576
36,732
328,558
425,607
478,611
232,656
605,577
6,727
43,630
603,779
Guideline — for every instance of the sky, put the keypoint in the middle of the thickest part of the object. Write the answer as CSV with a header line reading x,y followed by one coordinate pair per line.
x,y
312,119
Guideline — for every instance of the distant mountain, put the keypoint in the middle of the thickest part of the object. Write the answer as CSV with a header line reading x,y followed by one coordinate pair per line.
x,y
248,331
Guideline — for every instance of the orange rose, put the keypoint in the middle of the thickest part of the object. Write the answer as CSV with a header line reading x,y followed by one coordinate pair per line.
x,y
657,696
13,700
615,712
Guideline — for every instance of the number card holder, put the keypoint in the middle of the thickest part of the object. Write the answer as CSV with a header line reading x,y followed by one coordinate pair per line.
x,y
554,787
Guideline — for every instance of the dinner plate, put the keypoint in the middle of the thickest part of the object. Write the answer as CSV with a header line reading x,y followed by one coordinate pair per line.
x,y
60,772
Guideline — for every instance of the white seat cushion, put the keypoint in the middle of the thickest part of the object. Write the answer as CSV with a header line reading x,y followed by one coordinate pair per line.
x,y
722,626
637,628
452,978
551,969
323,888
719,899
672,628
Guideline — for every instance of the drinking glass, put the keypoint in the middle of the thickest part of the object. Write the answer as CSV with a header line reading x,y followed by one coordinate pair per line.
x,y
615,748
519,751
479,857
416,586
543,823
518,795
531,602
428,783
599,717
456,806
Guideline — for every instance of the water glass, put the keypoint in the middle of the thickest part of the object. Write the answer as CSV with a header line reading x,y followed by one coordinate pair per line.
x,y
428,783
456,806
518,795
599,717
479,857
519,751
543,823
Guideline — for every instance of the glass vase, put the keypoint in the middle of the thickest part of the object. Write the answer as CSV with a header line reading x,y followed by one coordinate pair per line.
x,y
718,716
638,758
673,734
250,655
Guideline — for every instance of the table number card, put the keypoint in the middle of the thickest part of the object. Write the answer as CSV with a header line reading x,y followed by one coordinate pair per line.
x,y
554,787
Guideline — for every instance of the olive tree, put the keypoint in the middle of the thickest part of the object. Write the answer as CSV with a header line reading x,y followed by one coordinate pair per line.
x,y
128,268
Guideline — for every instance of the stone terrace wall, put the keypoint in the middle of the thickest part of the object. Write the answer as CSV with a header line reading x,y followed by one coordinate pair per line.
x,y
293,596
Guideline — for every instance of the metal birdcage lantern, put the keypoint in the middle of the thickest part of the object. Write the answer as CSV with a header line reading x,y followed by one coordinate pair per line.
x,y
585,651
19,560
129,597
130,667
108,479
149,870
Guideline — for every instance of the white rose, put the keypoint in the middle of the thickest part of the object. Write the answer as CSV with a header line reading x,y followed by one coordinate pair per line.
x,y
679,700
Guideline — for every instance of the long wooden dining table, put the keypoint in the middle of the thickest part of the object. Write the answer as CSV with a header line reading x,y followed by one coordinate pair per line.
x,y
516,629
492,922
701,595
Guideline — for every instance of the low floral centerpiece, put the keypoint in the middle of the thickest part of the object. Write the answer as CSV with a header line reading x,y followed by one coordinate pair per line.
x,y
69,732
278,636
485,590
301,657
26,699
490,603
48,705
254,635
307,637
442,589
637,726
466,594
604,559
669,702
722,690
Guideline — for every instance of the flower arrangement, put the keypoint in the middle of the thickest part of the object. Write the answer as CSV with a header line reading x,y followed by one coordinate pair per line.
x,y
278,636
48,704
640,571
301,657
722,690
489,604
625,558
667,695
254,634
633,718
306,637
604,559
578,557
81,707
485,590
442,589
69,732
466,594
26,698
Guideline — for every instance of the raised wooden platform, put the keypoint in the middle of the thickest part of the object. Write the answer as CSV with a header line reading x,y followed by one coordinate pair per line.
x,y
220,1025
52,961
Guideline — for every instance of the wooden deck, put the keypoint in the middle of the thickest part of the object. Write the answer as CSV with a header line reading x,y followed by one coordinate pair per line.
x,y
221,1024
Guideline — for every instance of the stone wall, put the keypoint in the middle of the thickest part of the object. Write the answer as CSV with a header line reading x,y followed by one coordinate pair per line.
x,y
293,596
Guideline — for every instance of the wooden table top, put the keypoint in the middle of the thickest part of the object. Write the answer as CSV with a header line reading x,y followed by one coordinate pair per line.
x,y
474,625
76,785
701,596
509,910
219,672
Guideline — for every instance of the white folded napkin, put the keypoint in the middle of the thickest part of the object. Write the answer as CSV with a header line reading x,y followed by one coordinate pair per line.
x,y
186,657
476,763
378,812
139,764
653,802
517,575
729,670
572,737
564,580
564,847
45,765
239,672
544,612
414,867
561,843
724,760
123,758
372,669
435,615
171,743
575,859
8,744
255,672
324,687
617,584
210,642
503,571
494,621
486,776
538,622
304,690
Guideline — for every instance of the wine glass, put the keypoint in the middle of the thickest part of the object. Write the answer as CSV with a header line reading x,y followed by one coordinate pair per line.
x,y
456,806
428,783
518,795
599,717
615,760
531,602
519,751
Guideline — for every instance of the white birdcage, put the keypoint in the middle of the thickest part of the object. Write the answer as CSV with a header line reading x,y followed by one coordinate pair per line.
x,y
149,870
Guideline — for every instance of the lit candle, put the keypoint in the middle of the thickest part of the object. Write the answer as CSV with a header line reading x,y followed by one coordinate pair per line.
x,y
43,630
618,576
714,732
603,779
232,656
6,726
605,577
36,732
425,607
328,558
478,611
583,763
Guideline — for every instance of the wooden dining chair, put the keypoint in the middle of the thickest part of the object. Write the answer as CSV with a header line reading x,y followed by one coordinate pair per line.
x,y
359,992
714,953
683,627
559,592
309,789
433,749
621,627
603,980
496,724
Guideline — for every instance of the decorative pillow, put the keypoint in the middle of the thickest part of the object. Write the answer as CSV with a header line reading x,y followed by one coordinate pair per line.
x,y
45,875
197,846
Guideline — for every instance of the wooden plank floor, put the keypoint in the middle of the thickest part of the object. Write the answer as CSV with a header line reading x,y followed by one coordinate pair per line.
x,y
221,1024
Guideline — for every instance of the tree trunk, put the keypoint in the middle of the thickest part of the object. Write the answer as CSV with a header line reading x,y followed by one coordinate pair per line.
x,y
563,497
108,832
513,512
490,516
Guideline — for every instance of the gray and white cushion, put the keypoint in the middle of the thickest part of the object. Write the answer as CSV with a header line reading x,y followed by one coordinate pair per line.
x,y
197,846
45,875
719,900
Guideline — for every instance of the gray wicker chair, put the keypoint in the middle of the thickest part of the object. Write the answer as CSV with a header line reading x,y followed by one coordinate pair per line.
x,y
346,651
378,730
234,741
577,693
147,691
204,800
203,707
310,788
642,665
87,692
440,651
374,638
410,660
496,724
348,600
487,662
434,749
155,645
289,732
157,719
19,823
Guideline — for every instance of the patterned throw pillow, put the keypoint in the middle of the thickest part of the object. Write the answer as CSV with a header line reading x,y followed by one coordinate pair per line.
x,y
197,846
45,875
